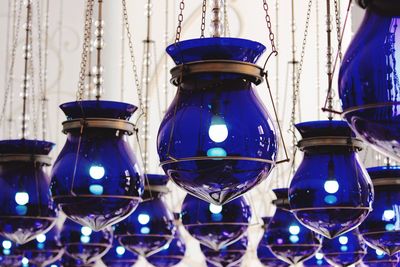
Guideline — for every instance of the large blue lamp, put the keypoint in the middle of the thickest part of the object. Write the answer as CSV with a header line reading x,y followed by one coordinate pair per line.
x,y
378,258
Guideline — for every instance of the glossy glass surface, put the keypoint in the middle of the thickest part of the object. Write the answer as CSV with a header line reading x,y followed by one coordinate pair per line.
x,y
150,227
217,140
118,256
288,239
215,226
10,255
67,261
26,207
228,256
331,192
170,255
45,249
267,258
316,261
377,258
368,83
381,229
83,244
101,183
344,250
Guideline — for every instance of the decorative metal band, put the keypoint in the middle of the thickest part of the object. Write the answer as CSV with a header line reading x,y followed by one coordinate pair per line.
x,y
97,196
116,124
332,208
281,202
26,158
30,217
370,106
385,181
147,235
87,244
331,141
210,223
175,160
254,72
378,232
157,188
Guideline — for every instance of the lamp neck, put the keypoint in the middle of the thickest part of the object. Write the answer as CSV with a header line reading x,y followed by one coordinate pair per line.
x,y
383,7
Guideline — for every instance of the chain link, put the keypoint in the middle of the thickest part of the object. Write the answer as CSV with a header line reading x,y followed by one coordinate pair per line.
x,y
203,17
271,35
180,20
338,28
86,47
226,20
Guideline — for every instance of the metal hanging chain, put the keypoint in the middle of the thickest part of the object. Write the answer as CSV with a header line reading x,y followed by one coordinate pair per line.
x,y
203,18
180,21
122,77
45,70
98,80
329,57
227,30
133,59
338,28
85,51
166,69
318,58
271,35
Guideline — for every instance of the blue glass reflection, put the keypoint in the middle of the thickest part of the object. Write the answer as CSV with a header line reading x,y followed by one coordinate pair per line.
x,y
24,189
67,261
214,231
331,192
344,250
316,261
118,256
381,229
206,142
378,258
10,255
228,256
287,239
106,184
267,258
170,255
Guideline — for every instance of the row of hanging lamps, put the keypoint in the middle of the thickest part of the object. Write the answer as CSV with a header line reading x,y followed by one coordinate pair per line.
x,y
216,226
229,256
96,179
118,256
10,255
44,249
331,192
206,143
151,226
316,261
171,254
23,178
345,250
287,238
378,258
368,81
83,244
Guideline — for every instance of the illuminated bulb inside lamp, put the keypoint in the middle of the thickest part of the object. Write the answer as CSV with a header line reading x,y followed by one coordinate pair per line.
x,y
331,186
215,209
120,250
96,172
21,198
218,132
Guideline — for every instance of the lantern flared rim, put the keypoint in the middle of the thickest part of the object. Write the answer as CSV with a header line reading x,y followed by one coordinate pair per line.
x,y
25,146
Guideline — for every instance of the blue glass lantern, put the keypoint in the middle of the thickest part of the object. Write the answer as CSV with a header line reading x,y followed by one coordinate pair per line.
x,y
316,261
27,209
151,226
381,229
217,140
171,254
10,255
83,244
344,250
228,256
96,180
45,249
118,256
215,226
378,258
288,239
368,80
331,192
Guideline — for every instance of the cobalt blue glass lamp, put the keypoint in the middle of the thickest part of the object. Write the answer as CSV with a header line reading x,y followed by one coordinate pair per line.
x,y
45,249
368,80
170,255
217,140
229,256
118,256
96,179
378,258
10,255
27,209
381,229
316,261
331,192
151,226
288,239
344,250
83,244
267,258
215,226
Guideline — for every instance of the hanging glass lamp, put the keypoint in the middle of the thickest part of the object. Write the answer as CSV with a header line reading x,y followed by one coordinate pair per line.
x,y
151,226
378,258
381,229
288,239
96,180
316,261
118,256
170,255
345,250
217,140
83,244
229,256
10,255
45,249
331,192
368,82
215,226
27,209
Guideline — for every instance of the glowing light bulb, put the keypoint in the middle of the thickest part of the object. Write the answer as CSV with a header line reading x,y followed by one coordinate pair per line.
x,y
86,231
143,219
319,256
21,198
41,238
7,244
97,172
215,209
343,240
120,250
379,252
294,229
388,215
25,261
331,186
218,132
